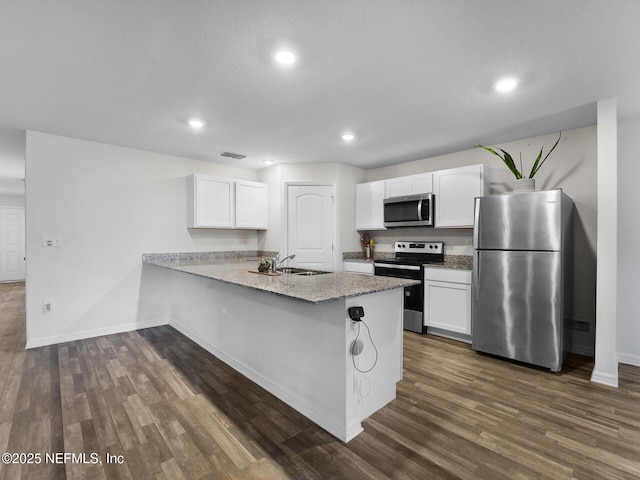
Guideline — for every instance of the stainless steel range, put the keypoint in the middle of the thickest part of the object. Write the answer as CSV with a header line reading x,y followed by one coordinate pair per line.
x,y
410,258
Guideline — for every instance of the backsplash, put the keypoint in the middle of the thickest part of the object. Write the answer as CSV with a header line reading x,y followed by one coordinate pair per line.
x,y
456,241
377,255
204,258
463,262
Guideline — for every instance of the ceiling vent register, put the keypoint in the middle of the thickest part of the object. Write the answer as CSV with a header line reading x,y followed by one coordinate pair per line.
x,y
235,156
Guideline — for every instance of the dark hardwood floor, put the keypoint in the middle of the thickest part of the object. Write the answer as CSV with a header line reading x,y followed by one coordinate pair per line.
x,y
173,411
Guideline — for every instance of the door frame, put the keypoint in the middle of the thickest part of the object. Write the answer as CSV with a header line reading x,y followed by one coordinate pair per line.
x,y
285,217
24,240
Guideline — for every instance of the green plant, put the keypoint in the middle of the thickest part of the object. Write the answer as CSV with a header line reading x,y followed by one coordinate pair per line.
x,y
264,265
508,159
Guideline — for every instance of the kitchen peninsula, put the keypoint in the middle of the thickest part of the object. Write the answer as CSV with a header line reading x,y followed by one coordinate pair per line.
x,y
292,334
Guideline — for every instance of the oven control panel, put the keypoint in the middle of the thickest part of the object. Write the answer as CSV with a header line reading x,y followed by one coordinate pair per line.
x,y
419,247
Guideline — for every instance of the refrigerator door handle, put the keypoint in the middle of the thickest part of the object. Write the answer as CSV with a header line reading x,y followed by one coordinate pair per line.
x,y
475,284
476,219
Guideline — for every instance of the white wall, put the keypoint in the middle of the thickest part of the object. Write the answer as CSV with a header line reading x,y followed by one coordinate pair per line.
x,y
572,166
605,369
628,311
12,201
344,177
110,204
349,177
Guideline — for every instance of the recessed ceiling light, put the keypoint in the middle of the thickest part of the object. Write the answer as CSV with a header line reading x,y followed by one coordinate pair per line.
x,y
285,57
268,162
347,137
506,85
196,123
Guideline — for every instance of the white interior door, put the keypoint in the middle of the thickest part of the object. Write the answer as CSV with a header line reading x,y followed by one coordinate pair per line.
x,y
310,226
11,243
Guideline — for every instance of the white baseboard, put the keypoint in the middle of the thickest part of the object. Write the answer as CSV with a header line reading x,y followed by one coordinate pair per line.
x,y
629,359
323,419
98,332
604,379
587,350
461,337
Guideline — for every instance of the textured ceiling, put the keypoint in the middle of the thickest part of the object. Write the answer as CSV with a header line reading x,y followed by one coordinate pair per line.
x,y
411,78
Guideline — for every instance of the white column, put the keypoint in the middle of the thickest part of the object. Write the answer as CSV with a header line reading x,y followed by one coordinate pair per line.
x,y
606,364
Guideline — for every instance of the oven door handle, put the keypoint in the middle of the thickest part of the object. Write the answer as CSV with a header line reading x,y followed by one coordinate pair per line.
x,y
420,209
397,267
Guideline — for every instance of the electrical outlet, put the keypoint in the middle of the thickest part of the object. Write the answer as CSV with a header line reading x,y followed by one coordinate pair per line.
x,y
47,305
579,325
49,240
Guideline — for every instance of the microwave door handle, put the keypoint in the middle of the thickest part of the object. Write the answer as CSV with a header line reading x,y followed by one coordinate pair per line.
x,y
420,209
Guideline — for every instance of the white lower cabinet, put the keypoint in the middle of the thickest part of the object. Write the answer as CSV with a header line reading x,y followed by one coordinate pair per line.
x,y
363,268
447,301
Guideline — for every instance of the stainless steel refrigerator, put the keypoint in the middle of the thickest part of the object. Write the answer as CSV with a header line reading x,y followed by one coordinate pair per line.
x,y
522,271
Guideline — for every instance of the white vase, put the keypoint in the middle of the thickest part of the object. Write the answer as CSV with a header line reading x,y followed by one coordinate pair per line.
x,y
524,185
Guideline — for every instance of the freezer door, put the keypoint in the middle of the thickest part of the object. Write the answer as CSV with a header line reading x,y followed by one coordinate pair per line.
x,y
527,221
517,306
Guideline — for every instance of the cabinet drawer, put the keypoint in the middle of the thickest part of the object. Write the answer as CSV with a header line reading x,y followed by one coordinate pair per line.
x,y
448,275
358,267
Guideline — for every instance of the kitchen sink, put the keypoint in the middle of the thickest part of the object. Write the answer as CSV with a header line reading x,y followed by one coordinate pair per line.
x,y
300,271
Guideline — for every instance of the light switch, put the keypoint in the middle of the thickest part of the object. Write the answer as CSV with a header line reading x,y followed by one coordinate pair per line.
x,y
49,240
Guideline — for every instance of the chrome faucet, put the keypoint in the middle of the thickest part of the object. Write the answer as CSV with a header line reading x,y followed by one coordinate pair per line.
x,y
276,262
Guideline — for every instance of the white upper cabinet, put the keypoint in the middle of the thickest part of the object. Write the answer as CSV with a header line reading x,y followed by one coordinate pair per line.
x,y
215,202
369,205
209,202
251,205
455,190
410,185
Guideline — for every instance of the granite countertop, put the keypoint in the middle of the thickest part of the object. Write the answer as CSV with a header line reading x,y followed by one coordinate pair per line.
x,y
454,262
450,265
311,289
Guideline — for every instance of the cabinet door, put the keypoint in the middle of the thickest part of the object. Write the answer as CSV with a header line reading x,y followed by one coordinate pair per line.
x,y
422,183
410,185
455,190
448,306
251,205
396,187
369,206
210,202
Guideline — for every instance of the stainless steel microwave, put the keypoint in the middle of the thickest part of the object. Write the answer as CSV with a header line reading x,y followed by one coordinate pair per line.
x,y
409,211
